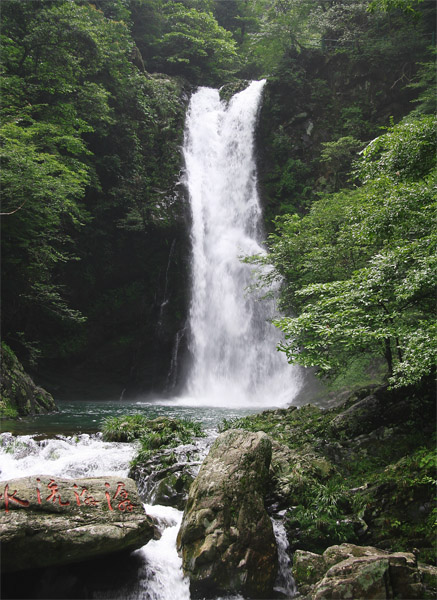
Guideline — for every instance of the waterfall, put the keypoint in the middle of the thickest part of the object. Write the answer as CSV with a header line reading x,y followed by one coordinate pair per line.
x,y
233,345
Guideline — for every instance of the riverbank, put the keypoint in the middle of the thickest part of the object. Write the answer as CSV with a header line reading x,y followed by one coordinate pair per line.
x,y
361,473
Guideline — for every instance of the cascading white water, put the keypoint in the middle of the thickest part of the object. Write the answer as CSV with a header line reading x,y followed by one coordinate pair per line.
x,y
233,345
284,584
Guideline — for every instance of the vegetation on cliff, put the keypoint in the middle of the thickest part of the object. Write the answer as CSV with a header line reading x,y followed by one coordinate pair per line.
x,y
19,396
153,434
359,269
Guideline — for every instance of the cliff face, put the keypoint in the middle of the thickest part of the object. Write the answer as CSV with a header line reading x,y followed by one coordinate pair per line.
x,y
131,282
318,98
19,396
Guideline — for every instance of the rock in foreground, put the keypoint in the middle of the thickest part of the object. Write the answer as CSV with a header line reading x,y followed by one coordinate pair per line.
x,y
48,521
226,536
349,571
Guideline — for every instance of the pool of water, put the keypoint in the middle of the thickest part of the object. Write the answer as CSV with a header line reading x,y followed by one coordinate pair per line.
x,y
87,416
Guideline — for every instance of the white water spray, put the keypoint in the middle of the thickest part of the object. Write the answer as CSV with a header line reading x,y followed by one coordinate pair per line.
x,y
162,577
233,345
64,456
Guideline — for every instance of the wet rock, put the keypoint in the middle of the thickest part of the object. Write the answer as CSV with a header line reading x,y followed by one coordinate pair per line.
x,y
350,571
361,417
308,568
19,396
226,536
48,521
230,89
366,577
376,406
165,478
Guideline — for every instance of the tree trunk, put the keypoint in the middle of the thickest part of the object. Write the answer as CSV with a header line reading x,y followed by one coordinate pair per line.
x,y
388,356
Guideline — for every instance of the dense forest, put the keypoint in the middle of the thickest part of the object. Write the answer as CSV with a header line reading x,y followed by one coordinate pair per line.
x,y
95,249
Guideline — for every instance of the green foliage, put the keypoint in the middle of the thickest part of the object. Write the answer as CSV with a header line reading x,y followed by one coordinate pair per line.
x,y
388,5
54,100
194,45
153,433
324,519
338,155
343,82
405,153
40,192
425,82
7,410
90,154
360,268
412,478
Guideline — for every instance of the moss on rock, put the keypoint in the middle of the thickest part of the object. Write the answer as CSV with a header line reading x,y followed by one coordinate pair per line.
x,y
362,472
19,396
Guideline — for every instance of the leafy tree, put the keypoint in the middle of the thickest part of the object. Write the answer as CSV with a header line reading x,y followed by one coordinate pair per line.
x,y
359,270
85,136
388,5
338,155
194,45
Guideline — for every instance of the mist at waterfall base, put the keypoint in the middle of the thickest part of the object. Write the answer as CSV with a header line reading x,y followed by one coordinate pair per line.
x,y
235,368
232,341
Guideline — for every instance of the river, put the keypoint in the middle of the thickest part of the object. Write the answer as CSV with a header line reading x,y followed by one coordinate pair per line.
x,y
68,444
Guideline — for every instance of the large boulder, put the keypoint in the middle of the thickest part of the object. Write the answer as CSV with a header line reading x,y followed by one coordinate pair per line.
x,y
350,571
46,521
226,536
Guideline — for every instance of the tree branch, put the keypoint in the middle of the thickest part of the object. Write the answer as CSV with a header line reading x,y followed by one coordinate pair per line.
x,y
5,214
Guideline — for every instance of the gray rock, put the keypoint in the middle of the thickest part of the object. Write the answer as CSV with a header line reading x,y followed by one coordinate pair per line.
x,y
349,571
362,417
47,521
162,479
226,536
364,577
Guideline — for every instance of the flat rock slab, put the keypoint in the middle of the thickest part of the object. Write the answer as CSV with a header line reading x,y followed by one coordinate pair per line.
x,y
47,521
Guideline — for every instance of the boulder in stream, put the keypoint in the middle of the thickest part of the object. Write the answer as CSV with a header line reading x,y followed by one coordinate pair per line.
x,y
47,521
226,536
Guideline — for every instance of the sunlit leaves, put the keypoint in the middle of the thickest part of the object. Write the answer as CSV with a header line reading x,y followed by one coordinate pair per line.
x,y
406,151
195,44
360,270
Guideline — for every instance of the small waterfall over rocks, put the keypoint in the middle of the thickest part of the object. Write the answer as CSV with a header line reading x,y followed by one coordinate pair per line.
x,y
232,342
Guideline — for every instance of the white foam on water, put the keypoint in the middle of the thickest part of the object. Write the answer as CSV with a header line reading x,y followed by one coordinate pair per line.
x,y
70,456
232,341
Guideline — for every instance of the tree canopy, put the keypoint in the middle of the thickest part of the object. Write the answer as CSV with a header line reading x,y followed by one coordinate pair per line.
x,y
359,270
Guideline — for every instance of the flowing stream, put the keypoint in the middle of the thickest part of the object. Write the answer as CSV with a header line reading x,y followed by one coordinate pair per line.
x,y
235,369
